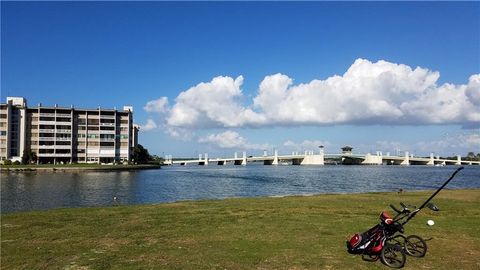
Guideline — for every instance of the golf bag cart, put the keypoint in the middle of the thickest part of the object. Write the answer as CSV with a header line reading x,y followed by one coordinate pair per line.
x,y
386,240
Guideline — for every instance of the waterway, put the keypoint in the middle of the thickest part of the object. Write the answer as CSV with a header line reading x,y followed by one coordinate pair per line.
x,y
40,190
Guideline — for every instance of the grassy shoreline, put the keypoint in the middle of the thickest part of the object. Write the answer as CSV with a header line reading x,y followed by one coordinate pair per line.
x,y
242,233
75,167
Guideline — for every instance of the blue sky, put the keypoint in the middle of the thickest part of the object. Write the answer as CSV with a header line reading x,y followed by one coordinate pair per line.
x,y
112,54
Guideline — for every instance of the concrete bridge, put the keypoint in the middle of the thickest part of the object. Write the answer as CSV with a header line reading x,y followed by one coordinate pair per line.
x,y
311,158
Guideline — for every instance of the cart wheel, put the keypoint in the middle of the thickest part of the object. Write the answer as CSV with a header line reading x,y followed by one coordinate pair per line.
x,y
393,256
415,246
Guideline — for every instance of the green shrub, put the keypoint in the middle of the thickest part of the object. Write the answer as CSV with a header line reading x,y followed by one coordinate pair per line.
x,y
7,162
16,162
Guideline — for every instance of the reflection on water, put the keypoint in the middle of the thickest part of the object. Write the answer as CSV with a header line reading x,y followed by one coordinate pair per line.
x,y
28,191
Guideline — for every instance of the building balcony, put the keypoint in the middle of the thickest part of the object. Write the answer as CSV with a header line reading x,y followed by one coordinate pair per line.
x,y
107,116
46,138
47,114
63,155
63,139
46,154
64,131
64,122
46,130
43,122
107,131
46,146
63,115
107,124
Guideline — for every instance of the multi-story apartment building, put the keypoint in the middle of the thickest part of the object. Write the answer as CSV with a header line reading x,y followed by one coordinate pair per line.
x,y
66,134
12,131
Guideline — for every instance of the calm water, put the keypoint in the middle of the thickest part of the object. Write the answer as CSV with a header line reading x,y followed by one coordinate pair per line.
x,y
28,191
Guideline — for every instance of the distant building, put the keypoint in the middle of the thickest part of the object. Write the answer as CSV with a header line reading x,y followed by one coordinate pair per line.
x,y
66,134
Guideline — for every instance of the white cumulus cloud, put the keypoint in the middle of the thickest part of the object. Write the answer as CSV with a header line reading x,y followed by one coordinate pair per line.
x,y
159,105
447,145
367,93
305,145
212,104
231,140
150,125
458,144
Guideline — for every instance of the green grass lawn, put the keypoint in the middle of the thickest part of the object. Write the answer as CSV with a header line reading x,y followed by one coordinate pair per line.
x,y
254,233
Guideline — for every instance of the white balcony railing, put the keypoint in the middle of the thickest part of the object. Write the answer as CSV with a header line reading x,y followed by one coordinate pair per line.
x,y
63,115
43,122
47,114
46,139
63,155
107,116
64,130
64,122
55,146
47,130
46,154
107,124
46,146
63,146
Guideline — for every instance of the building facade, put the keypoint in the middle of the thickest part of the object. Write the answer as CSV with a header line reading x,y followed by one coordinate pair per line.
x,y
66,134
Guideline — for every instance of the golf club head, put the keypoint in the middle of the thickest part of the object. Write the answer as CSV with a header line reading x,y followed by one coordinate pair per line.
x,y
433,207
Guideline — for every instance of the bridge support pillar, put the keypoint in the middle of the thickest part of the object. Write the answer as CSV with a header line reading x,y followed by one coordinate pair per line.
x,y
275,158
459,160
205,159
244,158
372,160
431,161
312,159
406,161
